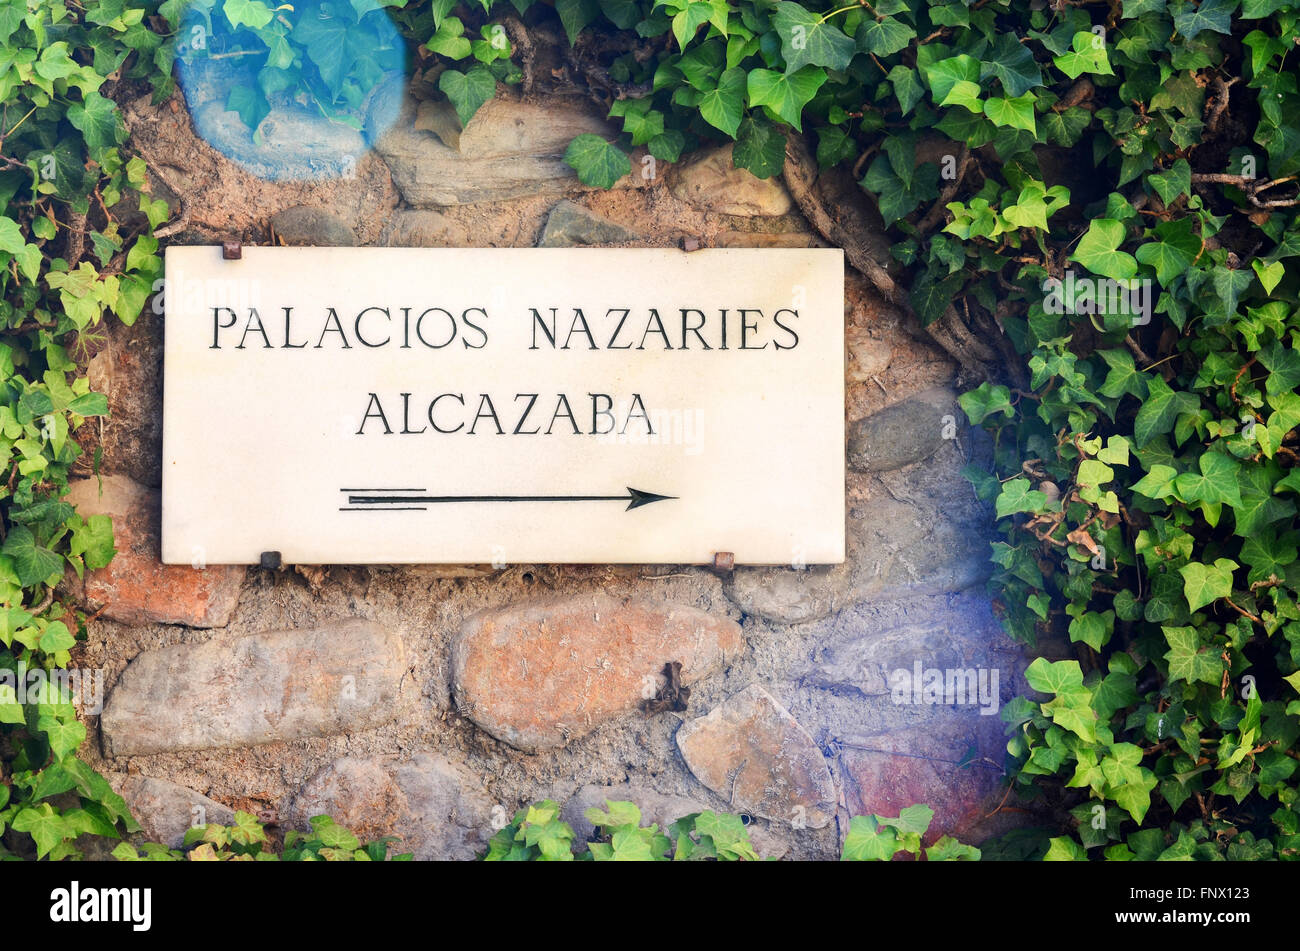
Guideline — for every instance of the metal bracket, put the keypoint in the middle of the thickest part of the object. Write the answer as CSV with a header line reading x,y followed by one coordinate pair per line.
x,y
724,562
232,250
691,243
271,561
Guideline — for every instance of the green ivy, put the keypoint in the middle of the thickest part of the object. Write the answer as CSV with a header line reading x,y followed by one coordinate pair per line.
x,y
537,834
76,248
246,841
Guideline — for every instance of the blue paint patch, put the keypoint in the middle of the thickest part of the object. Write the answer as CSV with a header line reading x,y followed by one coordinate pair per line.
x,y
291,92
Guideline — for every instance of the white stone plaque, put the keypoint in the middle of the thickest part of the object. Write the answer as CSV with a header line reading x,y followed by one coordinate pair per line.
x,y
412,405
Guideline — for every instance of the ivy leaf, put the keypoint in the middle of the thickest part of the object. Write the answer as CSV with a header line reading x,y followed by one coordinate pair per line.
x,y
94,541
1163,406
597,162
1123,376
1060,677
1117,691
667,146
640,121
1158,483
1283,365
1269,274
1092,628
1129,783
760,148
1213,15
1065,849
575,15
785,93
884,37
907,88
1216,484
1203,584
55,62
944,74
624,14
1012,63
449,40
980,403
46,827
1229,284
330,833
867,841
687,22
64,736
32,563
931,295
96,119
806,39
249,104
948,849
468,91
1087,56
1174,182
722,107
1097,250
1259,9
965,93
56,638
912,820
1177,247
11,236
1016,113
1268,555
1187,660
834,145
1257,508
253,14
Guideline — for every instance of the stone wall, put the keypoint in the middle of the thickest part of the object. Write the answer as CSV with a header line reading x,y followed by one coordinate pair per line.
x,y
429,701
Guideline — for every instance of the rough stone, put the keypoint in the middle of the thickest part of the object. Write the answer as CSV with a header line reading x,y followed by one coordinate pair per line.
x,y
655,806
713,183
904,433
383,106
753,753
136,587
863,645
767,843
282,685
313,226
868,356
292,144
540,674
915,532
923,531
128,371
789,596
166,810
762,239
570,225
435,807
440,118
423,228
955,769
508,150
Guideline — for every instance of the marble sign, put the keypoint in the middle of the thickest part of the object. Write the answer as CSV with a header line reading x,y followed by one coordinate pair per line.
x,y
412,405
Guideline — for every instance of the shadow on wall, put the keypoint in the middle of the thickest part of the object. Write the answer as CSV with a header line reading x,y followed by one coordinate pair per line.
x,y
291,93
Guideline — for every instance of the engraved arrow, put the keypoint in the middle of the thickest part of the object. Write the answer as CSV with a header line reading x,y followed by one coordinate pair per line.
x,y
635,498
